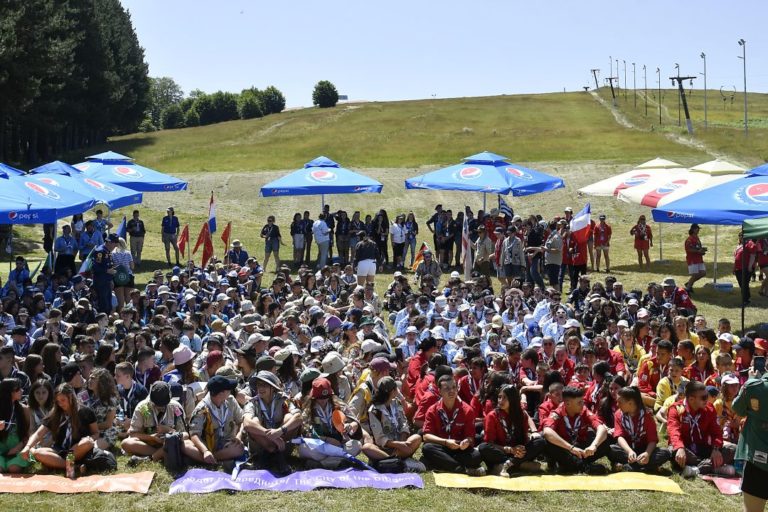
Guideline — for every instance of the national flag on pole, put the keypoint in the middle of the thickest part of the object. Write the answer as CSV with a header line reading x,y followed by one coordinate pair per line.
x,y
204,239
211,216
47,262
419,256
204,233
225,235
122,229
466,249
504,208
580,224
183,239
87,263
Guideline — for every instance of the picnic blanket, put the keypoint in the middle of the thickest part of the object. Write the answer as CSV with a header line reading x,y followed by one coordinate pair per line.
x,y
727,486
25,484
201,481
543,483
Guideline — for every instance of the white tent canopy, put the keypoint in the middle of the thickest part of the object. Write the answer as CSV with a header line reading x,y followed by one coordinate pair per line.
x,y
630,179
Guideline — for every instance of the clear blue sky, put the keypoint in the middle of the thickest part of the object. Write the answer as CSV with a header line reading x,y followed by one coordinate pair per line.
x,y
415,49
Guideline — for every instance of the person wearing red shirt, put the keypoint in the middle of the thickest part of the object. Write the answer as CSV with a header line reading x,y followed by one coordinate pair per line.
x,y
695,437
426,390
578,253
694,257
743,260
449,433
570,444
602,239
601,371
677,295
510,441
614,359
551,402
416,363
562,363
702,369
643,241
634,429
470,384
762,264
652,370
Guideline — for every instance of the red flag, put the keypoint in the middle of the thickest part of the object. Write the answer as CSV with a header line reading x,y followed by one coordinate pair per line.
x,y
225,236
207,250
204,235
183,238
419,256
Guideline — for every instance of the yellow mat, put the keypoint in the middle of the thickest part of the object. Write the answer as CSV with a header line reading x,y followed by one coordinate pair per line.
x,y
543,483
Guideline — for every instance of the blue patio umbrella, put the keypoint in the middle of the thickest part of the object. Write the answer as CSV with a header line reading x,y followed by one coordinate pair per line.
x,y
321,176
488,173
6,171
59,175
27,201
111,167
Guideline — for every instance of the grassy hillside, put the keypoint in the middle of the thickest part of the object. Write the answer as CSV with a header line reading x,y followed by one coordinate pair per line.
x,y
526,128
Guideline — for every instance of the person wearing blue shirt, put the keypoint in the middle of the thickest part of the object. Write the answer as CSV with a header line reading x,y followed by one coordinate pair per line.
x,y
103,270
89,239
239,256
170,233
66,248
17,277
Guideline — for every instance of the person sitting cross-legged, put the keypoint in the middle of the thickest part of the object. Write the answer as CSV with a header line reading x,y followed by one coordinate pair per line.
x,y
634,429
449,433
570,444
153,418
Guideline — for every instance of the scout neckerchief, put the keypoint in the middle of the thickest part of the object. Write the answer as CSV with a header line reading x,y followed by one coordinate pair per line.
x,y
473,386
325,414
640,232
595,392
701,374
67,433
390,412
635,434
693,421
508,432
573,430
601,232
514,373
629,357
448,423
218,414
269,417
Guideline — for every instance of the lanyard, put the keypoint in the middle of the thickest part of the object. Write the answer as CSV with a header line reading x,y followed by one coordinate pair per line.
x,y
448,423
68,432
268,416
508,433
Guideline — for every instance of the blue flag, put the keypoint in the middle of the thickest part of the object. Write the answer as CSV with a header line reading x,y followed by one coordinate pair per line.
x,y
505,208
122,229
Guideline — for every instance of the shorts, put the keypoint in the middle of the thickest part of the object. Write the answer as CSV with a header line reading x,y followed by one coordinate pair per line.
x,y
754,481
272,245
695,268
169,238
298,241
366,268
602,247
130,284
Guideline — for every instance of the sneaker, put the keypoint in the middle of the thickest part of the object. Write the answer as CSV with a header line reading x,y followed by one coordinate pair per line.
x,y
690,472
135,460
496,469
530,466
414,466
504,471
618,468
478,471
726,470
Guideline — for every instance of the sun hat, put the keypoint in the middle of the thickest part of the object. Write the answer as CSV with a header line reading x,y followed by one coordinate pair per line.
x,y
182,354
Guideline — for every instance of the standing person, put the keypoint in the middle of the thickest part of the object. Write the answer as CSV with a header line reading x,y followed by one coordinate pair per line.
x,y
643,241
412,232
602,240
136,229
513,256
762,263
330,220
103,269
297,239
66,249
343,231
170,233
122,260
355,227
381,236
743,260
457,235
366,257
78,226
694,257
321,232
272,242
753,441
484,251
89,240
553,256
308,223
432,224
101,224
398,233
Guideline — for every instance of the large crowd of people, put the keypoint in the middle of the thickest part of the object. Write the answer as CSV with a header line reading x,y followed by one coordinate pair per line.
x,y
533,363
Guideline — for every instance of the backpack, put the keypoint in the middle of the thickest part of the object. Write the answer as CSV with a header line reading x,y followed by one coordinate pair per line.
x,y
174,461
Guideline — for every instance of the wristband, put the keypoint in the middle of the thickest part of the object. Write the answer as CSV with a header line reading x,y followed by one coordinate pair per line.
x,y
283,430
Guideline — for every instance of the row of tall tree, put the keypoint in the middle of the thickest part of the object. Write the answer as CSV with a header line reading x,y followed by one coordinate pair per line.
x,y
72,72
168,108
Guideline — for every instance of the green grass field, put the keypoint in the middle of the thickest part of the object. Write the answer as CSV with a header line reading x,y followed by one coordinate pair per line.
x,y
569,135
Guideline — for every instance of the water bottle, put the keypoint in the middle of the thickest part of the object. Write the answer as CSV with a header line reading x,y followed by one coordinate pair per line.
x,y
70,465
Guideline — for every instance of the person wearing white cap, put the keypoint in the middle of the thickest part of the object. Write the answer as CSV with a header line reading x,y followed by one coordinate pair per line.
x,y
411,344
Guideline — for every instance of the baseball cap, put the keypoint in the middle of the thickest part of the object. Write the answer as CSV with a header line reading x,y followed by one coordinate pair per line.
x,y
218,383
381,364
726,336
267,363
729,379
668,281
321,388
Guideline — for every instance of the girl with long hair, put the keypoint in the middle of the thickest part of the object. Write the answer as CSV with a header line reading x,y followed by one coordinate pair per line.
x,y
105,403
636,435
14,427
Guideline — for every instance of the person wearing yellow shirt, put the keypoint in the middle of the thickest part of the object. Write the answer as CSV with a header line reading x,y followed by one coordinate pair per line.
x,y
669,386
726,341
681,329
630,351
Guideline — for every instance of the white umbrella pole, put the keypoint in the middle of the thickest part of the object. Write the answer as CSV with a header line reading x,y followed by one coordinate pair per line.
x,y
322,202
484,194
714,281
661,245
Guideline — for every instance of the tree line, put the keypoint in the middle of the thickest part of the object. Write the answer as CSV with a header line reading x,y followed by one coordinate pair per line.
x,y
72,72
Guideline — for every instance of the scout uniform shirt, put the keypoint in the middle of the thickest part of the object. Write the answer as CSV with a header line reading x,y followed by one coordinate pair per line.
x,y
638,430
387,423
102,262
457,424
270,415
649,373
500,430
216,426
146,417
752,402
574,430
690,430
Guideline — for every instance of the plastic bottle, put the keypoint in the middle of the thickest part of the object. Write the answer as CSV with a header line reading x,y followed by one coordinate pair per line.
x,y
70,465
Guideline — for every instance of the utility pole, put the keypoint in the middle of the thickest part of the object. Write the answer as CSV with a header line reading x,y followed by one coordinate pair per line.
x,y
610,80
594,73
658,72
634,84
679,121
610,68
618,83
680,89
625,79
645,88
704,57
743,45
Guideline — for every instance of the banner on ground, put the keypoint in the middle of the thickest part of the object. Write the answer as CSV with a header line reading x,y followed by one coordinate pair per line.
x,y
202,481
26,484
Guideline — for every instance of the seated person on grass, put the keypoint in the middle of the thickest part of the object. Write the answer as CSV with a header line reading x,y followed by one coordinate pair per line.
x,y
576,438
153,418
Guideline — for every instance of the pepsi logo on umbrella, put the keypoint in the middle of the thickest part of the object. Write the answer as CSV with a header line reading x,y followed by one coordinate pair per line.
x,y
127,172
322,176
517,173
98,185
631,181
41,190
82,167
652,198
470,173
48,181
758,193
